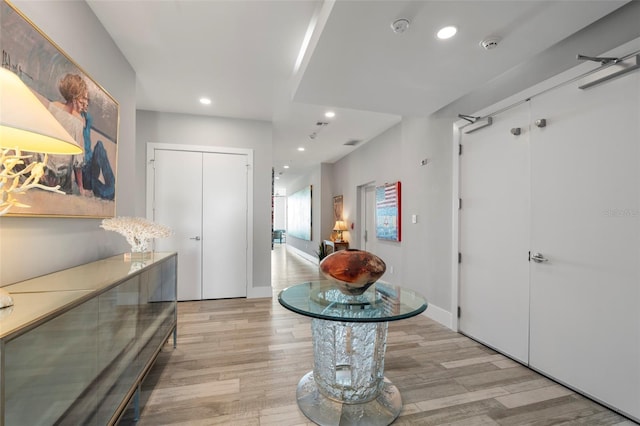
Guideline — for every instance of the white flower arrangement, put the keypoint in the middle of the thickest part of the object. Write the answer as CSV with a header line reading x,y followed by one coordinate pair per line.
x,y
137,230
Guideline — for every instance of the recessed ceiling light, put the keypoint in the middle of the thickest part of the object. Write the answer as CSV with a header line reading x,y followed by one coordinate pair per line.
x,y
447,32
286,166
301,148
329,114
205,101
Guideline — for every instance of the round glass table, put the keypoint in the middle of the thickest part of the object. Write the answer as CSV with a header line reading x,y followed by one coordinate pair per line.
x,y
347,385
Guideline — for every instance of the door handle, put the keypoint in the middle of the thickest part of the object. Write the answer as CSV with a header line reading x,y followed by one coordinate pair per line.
x,y
539,258
195,238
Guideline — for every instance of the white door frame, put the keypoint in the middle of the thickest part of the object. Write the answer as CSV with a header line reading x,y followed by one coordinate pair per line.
x,y
362,209
152,146
455,222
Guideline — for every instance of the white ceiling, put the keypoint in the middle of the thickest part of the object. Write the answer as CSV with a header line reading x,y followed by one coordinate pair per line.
x,y
242,55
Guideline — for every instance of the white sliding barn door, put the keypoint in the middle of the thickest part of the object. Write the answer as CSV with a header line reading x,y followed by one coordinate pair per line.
x,y
203,197
494,234
585,319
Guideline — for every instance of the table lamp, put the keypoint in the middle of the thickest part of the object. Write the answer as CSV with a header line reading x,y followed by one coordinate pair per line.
x,y
339,227
25,125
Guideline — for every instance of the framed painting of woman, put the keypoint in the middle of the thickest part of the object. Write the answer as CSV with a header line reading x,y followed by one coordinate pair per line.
x,y
85,110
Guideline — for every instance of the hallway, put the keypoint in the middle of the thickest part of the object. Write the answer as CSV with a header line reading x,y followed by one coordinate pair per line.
x,y
238,362
288,269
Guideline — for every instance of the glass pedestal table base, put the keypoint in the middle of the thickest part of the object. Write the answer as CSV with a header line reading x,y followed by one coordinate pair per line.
x,y
347,385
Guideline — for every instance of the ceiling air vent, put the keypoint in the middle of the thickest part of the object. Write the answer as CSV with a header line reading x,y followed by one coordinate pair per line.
x,y
352,142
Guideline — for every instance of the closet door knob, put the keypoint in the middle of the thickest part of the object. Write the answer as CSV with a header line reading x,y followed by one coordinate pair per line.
x,y
195,238
539,258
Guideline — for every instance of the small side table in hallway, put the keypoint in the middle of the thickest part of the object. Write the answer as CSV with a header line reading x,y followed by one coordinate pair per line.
x,y
347,385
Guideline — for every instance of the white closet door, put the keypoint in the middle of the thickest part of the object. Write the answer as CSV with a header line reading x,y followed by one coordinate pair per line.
x,y
368,218
585,315
494,237
178,204
224,195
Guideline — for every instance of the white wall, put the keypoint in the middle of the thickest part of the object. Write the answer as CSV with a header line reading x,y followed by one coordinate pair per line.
x,y
158,127
313,178
31,246
325,222
379,161
280,212
427,193
421,261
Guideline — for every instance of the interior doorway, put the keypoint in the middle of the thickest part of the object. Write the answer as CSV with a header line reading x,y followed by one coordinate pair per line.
x,y
279,235
366,215
203,195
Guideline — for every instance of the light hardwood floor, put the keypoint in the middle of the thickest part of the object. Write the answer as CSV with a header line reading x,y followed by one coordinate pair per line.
x,y
238,362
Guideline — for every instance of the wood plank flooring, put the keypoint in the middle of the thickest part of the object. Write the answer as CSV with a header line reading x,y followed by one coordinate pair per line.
x,y
238,362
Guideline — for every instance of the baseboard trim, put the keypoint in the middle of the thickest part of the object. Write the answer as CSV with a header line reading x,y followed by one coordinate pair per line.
x,y
439,315
258,292
303,254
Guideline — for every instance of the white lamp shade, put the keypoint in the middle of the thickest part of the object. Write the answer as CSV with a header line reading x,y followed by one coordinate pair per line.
x,y
340,226
26,124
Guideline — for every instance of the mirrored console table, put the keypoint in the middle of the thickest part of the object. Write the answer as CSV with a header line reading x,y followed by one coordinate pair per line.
x,y
77,343
347,385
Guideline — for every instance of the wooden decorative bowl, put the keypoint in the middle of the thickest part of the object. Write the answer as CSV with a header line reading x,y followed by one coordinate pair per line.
x,y
353,270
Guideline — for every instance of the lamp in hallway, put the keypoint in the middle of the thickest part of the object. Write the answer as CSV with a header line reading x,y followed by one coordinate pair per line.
x,y
339,227
25,125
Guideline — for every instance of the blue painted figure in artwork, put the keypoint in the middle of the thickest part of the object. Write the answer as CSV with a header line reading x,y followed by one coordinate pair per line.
x,y
96,163
74,116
